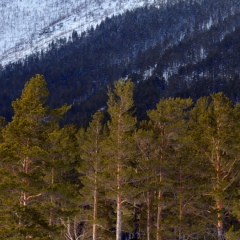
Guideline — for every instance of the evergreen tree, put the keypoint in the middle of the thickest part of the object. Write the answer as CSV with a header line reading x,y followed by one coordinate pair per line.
x,y
168,121
185,204
91,171
146,174
25,158
62,179
216,136
119,149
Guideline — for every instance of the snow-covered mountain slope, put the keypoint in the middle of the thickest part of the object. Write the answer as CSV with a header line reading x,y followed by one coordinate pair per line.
x,y
27,26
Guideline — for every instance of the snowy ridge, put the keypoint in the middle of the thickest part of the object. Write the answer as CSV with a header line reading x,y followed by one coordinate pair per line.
x,y
27,26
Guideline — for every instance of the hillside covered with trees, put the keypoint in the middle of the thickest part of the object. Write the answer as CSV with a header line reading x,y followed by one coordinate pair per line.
x,y
178,49
172,176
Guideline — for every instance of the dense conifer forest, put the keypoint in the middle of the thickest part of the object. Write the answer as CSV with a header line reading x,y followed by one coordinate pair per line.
x,y
154,155
174,175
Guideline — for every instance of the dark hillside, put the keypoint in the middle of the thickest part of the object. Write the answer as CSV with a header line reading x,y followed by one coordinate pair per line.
x,y
176,41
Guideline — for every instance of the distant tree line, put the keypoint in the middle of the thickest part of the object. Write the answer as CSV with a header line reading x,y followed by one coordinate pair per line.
x,y
174,175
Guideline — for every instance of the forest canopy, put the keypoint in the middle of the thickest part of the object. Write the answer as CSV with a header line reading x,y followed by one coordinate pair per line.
x,y
172,176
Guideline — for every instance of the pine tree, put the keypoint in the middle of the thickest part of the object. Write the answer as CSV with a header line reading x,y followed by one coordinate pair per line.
x,y
146,171
25,157
62,179
6,186
185,204
119,149
168,121
216,136
90,171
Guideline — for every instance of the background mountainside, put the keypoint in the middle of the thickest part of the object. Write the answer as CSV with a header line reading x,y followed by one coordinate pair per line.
x,y
28,26
185,48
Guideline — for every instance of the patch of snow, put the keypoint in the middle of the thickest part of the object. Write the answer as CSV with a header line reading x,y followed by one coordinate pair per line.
x,y
27,26
149,72
203,54
209,23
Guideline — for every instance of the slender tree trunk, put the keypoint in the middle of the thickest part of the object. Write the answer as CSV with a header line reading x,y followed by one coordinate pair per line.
x,y
159,211
119,203
220,220
148,216
50,221
180,218
219,207
119,217
119,185
95,210
219,204
24,194
95,193
160,192
159,216
24,198
181,206
26,166
75,228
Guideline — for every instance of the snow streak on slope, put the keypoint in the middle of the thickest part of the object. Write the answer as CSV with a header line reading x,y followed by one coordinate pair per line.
x,y
27,26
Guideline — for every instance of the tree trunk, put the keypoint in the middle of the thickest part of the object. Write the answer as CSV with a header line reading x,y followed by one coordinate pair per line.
x,y
219,204
159,211
148,216
181,206
50,220
159,216
95,211
95,193
220,227
24,194
180,218
119,218
119,184
220,220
